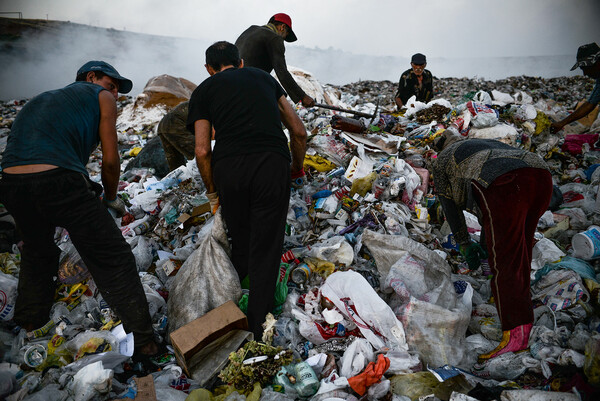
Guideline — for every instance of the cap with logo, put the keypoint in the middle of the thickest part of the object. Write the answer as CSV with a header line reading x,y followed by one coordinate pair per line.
x,y
125,84
587,55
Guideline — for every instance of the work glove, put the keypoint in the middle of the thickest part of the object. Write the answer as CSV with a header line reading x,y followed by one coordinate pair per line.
x,y
473,253
213,198
371,375
298,179
117,205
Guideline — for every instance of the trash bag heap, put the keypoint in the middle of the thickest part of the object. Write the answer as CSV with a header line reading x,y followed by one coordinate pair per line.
x,y
373,302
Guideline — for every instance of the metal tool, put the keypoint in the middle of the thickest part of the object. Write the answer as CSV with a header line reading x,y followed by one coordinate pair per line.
x,y
356,113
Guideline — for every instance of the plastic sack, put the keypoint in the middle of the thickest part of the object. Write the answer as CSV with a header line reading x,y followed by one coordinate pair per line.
x,y
205,281
434,318
538,395
507,366
559,289
352,294
91,381
419,384
501,132
483,116
8,296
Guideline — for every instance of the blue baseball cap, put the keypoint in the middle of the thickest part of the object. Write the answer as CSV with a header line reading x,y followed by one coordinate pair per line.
x,y
125,84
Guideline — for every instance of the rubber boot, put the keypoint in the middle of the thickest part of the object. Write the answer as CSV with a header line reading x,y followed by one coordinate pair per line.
x,y
513,340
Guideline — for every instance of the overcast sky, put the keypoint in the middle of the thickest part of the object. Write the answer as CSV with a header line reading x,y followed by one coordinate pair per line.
x,y
438,28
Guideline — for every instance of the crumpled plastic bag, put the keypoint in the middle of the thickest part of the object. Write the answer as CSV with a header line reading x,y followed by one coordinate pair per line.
x,y
205,281
335,249
91,381
142,253
545,251
351,293
72,269
358,354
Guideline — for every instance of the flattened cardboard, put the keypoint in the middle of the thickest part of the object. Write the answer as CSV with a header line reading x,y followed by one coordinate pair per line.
x,y
191,338
145,389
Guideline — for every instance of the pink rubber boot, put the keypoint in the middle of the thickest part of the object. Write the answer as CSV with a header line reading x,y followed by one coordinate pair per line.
x,y
513,340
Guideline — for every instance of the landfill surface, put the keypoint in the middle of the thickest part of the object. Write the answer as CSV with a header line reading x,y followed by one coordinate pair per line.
x,y
373,293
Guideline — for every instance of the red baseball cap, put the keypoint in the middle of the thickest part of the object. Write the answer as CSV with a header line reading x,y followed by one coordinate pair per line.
x,y
281,17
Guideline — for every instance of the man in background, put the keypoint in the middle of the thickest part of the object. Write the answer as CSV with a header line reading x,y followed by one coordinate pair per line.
x,y
588,59
262,47
249,171
416,81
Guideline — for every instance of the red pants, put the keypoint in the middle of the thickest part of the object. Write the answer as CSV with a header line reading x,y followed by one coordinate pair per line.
x,y
511,207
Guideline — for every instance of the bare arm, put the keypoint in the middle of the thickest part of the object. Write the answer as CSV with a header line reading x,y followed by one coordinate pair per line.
x,y
203,132
111,164
585,109
292,122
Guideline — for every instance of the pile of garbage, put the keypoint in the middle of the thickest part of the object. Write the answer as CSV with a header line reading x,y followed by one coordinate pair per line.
x,y
374,300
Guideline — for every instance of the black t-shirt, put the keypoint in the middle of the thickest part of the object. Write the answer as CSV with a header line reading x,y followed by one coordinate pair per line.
x,y
241,104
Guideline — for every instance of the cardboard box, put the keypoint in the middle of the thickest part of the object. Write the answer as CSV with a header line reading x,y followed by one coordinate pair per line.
x,y
191,338
145,389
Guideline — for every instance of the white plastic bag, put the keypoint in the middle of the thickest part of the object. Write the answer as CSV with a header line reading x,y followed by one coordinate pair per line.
x,y
355,298
358,354
91,381
205,281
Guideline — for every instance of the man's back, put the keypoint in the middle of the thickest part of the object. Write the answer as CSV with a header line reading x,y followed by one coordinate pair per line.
x,y
258,45
241,104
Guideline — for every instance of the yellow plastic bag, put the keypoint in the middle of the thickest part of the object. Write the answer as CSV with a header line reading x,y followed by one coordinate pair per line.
x,y
318,163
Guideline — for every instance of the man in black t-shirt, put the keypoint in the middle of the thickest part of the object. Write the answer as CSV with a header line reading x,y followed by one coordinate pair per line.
x,y
416,81
249,170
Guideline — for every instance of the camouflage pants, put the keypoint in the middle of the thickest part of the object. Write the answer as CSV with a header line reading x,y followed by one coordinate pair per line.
x,y
178,146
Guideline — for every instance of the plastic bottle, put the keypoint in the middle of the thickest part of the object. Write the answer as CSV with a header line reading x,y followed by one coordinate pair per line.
x,y
307,382
144,226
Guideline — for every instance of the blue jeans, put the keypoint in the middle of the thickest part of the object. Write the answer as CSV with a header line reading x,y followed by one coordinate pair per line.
x,y
40,202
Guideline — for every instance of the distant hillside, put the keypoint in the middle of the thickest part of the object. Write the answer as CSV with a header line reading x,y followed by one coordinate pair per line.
x,y
38,55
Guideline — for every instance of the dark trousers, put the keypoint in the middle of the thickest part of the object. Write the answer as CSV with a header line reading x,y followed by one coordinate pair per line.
x,y
511,208
254,193
178,147
39,203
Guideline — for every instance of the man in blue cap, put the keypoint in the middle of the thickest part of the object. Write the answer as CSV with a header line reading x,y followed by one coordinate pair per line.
x,y
588,59
416,81
44,184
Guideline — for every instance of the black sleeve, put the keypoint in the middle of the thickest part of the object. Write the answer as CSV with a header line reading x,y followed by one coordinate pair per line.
x,y
456,220
428,88
277,52
198,108
403,93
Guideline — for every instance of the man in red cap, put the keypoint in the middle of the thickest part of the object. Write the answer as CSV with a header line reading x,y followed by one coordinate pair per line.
x,y
262,47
